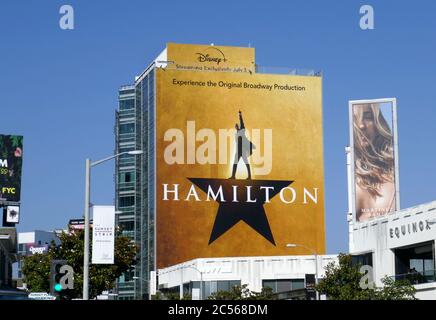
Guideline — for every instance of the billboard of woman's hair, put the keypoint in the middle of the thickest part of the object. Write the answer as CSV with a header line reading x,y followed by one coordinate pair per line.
x,y
374,159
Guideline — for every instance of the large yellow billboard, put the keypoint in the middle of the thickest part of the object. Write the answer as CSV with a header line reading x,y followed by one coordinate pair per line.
x,y
239,162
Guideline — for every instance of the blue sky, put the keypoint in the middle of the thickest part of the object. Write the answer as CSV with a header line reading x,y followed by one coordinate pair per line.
x,y
59,88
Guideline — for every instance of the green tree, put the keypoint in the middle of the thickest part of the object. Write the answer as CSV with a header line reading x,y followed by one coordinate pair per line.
x,y
342,281
36,268
243,293
396,290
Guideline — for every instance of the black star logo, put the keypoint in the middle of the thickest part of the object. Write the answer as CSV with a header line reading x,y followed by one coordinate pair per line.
x,y
251,196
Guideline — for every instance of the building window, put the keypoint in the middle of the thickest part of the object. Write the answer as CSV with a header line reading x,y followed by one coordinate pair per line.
x,y
211,287
127,128
362,259
127,104
283,285
127,226
127,176
127,91
415,263
127,201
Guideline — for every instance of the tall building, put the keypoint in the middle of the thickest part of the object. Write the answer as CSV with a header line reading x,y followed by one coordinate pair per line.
x,y
129,186
195,87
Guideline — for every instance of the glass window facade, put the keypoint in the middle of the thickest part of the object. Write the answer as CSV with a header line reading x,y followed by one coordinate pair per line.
x,y
126,177
416,263
127,169
134,130
127,128
127,201
208,287
362,259
211,287
127,104
283,285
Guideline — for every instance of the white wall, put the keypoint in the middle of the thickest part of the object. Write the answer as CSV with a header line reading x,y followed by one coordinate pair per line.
x,y
406,227
426,291
26,237
250,270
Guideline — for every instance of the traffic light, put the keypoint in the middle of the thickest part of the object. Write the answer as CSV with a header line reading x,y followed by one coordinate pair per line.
x,y
61,279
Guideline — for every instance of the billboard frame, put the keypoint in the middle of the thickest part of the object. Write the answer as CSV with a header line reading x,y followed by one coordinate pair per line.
x,y
14,200
164,86
351,103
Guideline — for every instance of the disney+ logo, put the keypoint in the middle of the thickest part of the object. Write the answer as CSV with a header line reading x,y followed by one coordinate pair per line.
x,y
211,54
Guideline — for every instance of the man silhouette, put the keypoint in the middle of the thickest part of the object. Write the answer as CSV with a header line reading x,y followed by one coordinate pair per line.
x,y
244,148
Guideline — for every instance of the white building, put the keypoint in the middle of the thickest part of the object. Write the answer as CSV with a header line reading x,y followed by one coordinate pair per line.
x,y
281,273
393,245
30,243
401,245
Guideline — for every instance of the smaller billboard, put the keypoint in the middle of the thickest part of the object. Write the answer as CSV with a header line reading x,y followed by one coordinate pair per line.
x,y
375,161
78,224
11,160
103,234
32,249
13,214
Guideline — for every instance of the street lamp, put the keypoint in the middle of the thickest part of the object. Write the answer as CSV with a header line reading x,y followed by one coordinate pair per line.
x,y
181,280
88,165
293,245
143,280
